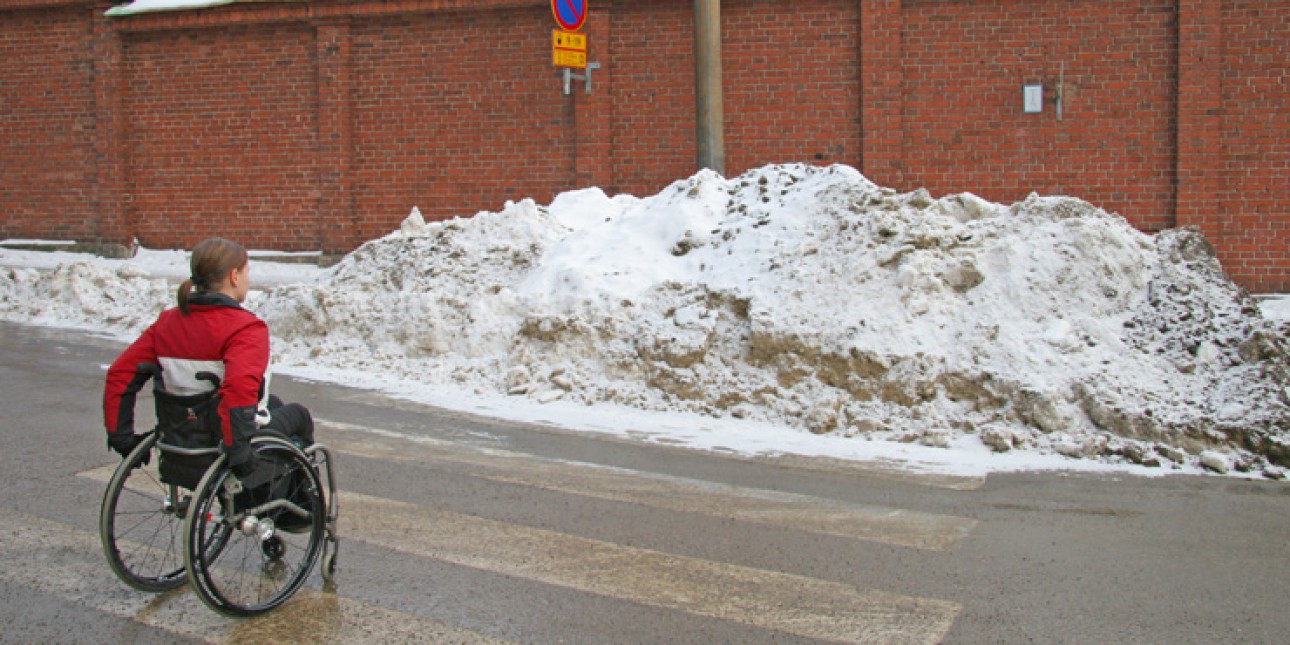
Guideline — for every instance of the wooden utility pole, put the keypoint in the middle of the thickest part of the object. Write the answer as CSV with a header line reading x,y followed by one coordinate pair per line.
x,y
708,97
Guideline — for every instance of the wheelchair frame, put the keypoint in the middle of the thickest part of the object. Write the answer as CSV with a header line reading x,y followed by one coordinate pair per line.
x,y
231,538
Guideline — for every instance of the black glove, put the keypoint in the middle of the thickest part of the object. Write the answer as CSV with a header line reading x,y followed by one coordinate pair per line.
x,y
125,443
241,459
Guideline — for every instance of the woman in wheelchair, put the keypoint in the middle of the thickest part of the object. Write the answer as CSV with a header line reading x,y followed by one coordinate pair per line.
x,y
256,519
207,339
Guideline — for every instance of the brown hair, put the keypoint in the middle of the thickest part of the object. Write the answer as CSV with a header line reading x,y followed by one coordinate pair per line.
x,y
212,260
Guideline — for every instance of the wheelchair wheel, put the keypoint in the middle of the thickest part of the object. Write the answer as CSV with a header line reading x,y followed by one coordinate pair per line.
x,y
248,546
141,523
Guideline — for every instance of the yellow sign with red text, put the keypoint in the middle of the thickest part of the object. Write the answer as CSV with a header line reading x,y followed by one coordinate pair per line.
x,y
568,49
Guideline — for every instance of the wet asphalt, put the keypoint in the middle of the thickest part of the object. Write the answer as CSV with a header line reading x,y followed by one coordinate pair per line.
x,y
461,528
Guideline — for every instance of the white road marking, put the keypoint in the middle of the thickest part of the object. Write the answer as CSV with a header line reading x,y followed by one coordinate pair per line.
x,y
819,609
886,525
67,562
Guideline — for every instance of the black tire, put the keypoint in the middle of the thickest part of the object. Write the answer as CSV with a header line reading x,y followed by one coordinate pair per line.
x,y
258,544
141,523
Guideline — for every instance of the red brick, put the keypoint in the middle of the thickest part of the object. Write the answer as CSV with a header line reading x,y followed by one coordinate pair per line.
x,y
318,125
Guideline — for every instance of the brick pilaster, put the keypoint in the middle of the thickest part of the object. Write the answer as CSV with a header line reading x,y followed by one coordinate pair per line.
x,y
882,85
1200,116
337,218
106,60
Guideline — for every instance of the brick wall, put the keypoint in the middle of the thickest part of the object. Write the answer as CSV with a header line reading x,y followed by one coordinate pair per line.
x,y
445,120
791,73
47,165
965,64
652,62
221,136
306,126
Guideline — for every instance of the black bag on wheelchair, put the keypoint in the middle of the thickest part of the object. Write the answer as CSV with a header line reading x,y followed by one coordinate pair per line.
x,y
189,435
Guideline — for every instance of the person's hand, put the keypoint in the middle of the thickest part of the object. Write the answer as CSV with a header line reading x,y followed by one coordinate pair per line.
x,y
241,460
125,443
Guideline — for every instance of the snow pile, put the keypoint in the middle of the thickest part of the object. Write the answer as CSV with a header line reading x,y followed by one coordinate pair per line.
x,y
799,296
121,297
810,297
84,295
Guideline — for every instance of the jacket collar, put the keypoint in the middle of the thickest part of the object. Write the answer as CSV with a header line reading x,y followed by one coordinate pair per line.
x,y
212,299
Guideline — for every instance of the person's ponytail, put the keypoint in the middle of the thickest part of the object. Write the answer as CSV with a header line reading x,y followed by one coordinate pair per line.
x,y
185,288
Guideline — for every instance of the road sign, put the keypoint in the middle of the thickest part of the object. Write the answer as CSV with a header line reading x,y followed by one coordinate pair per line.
x,y
569,14
567,40
564,58
568,49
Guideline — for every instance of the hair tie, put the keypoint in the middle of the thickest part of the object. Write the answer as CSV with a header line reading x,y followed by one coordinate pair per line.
x,y
198,282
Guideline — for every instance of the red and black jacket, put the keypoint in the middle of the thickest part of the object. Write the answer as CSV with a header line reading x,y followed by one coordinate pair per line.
x,y
217,336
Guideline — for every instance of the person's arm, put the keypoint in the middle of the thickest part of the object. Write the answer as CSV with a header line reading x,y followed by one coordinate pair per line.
x,y
246,358
123,382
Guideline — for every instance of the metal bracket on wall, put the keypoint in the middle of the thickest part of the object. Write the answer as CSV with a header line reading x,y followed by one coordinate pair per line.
x,y
569,77
1061,83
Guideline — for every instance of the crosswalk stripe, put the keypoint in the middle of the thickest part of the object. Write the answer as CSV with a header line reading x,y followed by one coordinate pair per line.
x,y
67,562
886,525
825,610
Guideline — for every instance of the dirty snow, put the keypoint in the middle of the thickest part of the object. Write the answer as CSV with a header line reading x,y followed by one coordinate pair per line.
x,y
793,309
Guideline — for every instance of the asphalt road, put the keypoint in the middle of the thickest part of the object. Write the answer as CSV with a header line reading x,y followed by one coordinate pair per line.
x,y
463,529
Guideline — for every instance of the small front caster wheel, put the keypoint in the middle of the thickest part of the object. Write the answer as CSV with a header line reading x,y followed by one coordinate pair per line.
x,y
329,565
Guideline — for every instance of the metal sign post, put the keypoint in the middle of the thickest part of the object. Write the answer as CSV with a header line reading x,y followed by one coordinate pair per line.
x,y
569,77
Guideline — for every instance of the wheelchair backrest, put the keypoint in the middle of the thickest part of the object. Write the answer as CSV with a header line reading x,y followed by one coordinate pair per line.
x,y
188,427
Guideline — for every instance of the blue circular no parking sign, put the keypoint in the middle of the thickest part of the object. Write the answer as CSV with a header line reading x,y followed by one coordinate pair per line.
x,y
569,14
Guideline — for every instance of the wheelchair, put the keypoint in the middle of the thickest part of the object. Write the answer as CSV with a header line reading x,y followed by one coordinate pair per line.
x,y
174,512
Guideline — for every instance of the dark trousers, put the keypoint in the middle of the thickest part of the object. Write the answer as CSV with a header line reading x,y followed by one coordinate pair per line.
x,y
291,420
